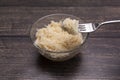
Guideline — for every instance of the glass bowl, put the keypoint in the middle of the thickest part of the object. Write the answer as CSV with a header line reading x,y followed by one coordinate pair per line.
x,y
55,56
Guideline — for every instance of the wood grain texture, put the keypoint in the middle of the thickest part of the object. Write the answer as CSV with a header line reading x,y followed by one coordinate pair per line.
x,y
58,3
17,21
19,60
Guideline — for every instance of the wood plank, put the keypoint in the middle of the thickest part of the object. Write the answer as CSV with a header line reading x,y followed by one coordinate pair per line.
x,y
63,3
17,21
99,59
102,47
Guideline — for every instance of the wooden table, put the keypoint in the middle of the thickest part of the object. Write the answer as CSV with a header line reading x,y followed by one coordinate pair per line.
x,y
19,59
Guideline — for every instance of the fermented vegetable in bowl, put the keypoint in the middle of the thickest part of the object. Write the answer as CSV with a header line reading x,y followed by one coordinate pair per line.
x,y
54,38
55,41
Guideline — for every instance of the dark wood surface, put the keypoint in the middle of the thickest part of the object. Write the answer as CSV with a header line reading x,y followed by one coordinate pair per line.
x,y
19,59
59,3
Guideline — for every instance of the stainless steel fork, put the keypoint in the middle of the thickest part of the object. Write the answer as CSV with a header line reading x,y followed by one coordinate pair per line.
x,y
90,27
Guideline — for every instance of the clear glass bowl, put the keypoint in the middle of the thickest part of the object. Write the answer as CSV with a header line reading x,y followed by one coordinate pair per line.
x,y
55,56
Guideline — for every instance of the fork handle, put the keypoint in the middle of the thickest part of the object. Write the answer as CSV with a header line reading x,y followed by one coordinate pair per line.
x,y
107,22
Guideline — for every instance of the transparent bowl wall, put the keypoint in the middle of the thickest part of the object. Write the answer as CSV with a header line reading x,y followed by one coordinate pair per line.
x,y
55,56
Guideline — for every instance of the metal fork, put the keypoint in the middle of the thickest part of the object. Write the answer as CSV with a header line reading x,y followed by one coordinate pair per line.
x,y
90,27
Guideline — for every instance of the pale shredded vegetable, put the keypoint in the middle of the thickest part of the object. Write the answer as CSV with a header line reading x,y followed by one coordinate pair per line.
x,y
54,38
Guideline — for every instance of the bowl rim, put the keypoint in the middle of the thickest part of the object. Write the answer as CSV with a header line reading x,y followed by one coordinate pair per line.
x,y
43,50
